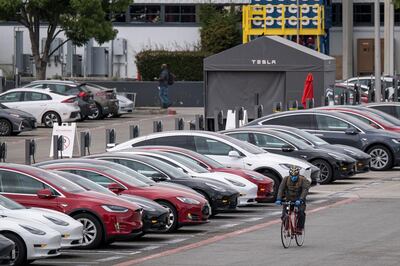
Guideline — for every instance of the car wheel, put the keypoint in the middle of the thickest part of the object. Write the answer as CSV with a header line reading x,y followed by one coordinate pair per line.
x,y
20,249
92,230
381,158
326,173
277,182
98,113
51,118
172,222
5,127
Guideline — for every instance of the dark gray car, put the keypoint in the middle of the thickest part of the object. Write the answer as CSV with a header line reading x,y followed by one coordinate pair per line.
x,y
13,121
338,128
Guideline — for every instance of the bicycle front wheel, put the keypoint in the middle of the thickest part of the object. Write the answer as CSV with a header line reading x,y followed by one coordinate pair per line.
x,y
300,237
285,233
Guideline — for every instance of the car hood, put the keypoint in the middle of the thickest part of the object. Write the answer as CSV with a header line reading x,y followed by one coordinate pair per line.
x,y
201,182
222,175
13,224
18,112
345,157
104,199
146,204
168,192
279,159
348,150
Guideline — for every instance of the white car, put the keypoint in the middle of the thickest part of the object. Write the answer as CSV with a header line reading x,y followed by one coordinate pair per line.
x,y
47,107
33,240
228,151
125,105
247,189
70,229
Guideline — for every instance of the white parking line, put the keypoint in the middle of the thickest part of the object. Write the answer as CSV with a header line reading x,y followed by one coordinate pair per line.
x,y
110,258
53,262
275,213
253,219
319,201
228,225
174,241
149,248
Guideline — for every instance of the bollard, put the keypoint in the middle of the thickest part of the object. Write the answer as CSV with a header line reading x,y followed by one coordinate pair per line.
x,y
3,151
58,146
110,138
199,122
30,150
292,105
357,95
133,131
396,89
277,107
310,103
157,126
85,141
218,120
259,111
192,125
179,124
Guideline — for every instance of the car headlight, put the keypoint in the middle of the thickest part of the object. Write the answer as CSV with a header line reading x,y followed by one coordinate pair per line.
x,y
350,152
336,156
256,177
397,141
188,200
236,183
215,187
113,208
288,165
33,230
15,115
56,221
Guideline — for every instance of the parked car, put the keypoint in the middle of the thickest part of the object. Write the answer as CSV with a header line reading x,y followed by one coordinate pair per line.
x,y
361,157
335,92
338,128
47,107
71,230
106,98
265,184
13,121
154,215
184,207
125,105
391,108
84,96
104,218
366,117
387,84
33,240
7,251
220,196
332,165
386,117
227,151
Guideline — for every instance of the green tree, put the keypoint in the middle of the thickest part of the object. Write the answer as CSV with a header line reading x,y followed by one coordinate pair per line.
x,y
219,29
79,20
396,3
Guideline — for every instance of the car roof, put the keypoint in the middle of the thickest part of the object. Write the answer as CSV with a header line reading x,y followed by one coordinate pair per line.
x,y
383,103
36,90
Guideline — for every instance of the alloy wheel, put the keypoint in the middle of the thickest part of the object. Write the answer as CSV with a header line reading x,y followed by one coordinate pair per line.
x,y
379,158
50,119
89,231
5,128
95,114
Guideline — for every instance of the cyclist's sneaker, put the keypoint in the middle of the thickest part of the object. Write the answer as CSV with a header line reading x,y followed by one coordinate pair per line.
x,y
299,232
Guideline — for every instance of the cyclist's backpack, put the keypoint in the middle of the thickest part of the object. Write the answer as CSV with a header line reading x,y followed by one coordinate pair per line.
x,y
171,78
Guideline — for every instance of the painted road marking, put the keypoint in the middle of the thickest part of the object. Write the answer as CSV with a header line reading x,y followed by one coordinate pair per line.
x,y
110,258
81,263
174,241
319,201
228,225
149,248
253,219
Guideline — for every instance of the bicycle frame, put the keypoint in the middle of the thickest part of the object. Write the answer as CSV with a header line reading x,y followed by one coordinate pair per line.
x,y
289,228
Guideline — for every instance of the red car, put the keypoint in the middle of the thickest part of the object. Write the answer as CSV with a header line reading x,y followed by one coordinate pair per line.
x,y
265,184
184,207
367,117
104,218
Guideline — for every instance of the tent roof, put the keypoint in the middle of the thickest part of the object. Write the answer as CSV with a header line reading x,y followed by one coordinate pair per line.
x,y
269,53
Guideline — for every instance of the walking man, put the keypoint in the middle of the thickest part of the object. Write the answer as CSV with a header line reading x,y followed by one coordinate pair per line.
x,y
164,81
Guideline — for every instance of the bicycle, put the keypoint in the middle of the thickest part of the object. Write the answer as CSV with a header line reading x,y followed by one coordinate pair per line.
x,y
289,228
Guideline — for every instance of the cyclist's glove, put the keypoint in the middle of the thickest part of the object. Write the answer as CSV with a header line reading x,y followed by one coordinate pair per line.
x,y
298,202
278,202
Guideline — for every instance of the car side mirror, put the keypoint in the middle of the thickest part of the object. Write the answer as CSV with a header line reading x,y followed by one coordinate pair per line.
x,y
158,178
234,154
351,131
116,188
287,148
45,194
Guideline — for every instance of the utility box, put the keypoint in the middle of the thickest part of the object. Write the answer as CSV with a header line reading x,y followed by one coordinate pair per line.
x,y
77,65
99,62
120,47
56,43
27,65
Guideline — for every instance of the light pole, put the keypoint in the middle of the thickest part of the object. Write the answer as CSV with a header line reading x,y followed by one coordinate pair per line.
x,y
377,62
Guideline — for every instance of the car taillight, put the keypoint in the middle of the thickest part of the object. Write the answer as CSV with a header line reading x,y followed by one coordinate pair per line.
x,y
69,100
101,93
82,94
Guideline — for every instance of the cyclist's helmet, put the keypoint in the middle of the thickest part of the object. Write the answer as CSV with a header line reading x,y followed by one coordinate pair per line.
x,y
294,171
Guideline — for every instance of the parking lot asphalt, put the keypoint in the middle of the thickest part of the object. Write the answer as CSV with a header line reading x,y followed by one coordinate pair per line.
x,y
346,224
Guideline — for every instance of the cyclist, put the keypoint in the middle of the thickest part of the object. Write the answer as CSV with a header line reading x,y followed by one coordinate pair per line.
x,y
294,188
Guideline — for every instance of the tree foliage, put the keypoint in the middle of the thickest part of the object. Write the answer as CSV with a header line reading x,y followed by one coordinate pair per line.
x,y
79,20
219,29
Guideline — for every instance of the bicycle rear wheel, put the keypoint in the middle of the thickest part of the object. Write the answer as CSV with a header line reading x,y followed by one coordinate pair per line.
x,y
285,232
300,237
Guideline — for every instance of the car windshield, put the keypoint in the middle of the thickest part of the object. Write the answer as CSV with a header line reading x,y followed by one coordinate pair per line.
x,y
293,140
60,182
200,159
250,148
384,116
128,171
2,106
167,168
305,136
10,204
193,166
128,179
85,183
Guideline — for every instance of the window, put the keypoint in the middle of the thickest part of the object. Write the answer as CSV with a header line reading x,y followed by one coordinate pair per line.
x,y
240,136
11,97
180,13
57,88
142,168
331,123
212,147
337,14
145,13
267,141
385,108
364,120
363,14
11,182
185,142
35,96
304,121
95,177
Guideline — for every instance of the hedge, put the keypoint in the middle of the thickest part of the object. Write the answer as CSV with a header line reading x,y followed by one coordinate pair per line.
x,y
186,65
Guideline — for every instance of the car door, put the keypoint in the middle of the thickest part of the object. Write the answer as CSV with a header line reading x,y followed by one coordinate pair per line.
x,y
23,189
12,99
333,130
36,103
219,151
305,121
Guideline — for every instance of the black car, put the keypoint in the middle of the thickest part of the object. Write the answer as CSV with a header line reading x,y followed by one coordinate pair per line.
x,y
154,215
7,250
362,158
338,128
391,108
13,121
220,196
333,165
